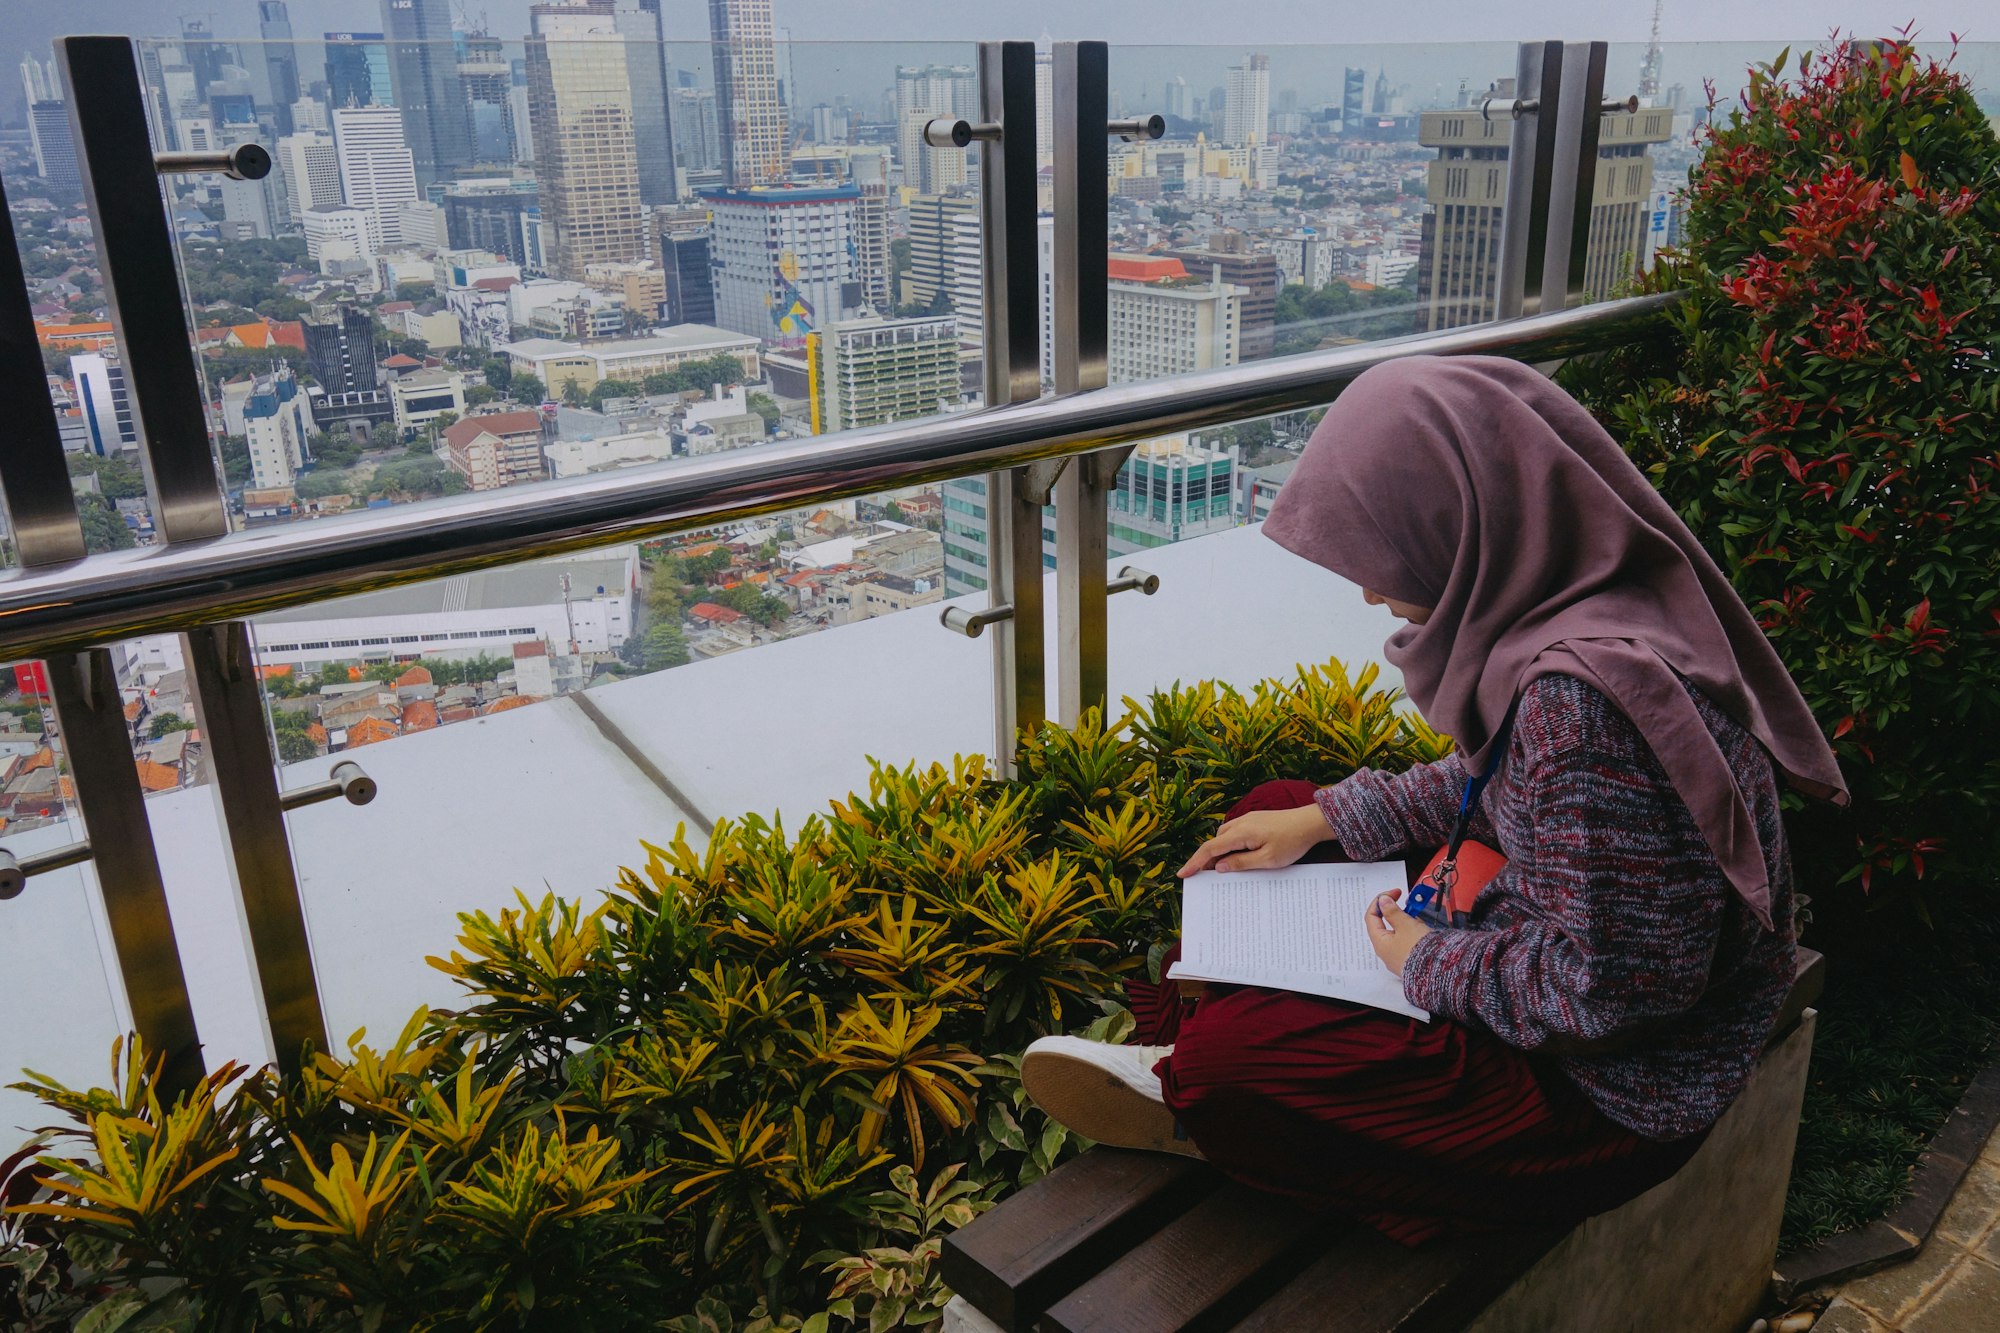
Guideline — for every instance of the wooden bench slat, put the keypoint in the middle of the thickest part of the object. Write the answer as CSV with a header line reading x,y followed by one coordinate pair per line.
x,y
1366,1283
1207,1266
1015,1261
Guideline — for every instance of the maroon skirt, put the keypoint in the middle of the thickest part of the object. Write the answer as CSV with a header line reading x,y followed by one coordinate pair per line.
x,y
1421,1130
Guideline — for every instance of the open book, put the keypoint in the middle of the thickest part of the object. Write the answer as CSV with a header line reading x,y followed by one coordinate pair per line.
x,y
1300,929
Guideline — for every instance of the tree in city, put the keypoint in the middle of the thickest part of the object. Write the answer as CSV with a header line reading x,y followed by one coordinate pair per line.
x,y
606,389
663,646
235,450
419,476
527,389
290,729
324,481
696,376
499,372
755,603
103,527
479,395
765,406
893,513
117,479
385,435
332,674
573,394
166,724
441,423
414,292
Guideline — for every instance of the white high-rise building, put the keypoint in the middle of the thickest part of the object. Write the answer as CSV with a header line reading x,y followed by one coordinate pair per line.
x,y
783,257
924,93
107,405
1246,107
311,170
378,174
1164,321
275,426
309,113
749,98
339,238
38,82
422,225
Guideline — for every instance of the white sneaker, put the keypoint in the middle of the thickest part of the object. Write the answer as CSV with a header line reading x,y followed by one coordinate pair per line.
x,y
1104,1092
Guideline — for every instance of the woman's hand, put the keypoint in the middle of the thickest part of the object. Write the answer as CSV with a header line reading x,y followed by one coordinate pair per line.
x,y
1261,840
1393,931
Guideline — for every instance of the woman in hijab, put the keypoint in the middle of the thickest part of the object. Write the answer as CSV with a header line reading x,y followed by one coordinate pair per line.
x,y
1602,1000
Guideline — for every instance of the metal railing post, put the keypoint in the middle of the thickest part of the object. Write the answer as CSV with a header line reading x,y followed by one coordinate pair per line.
x,y
41,512
1573,183
143,289
1014,497
1538,69
1080,332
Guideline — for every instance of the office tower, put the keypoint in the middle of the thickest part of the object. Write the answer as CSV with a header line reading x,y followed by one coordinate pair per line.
x,y
783,258
697,140
1045,101
499,221
203,54
309,114
423,73
580,113
1255,273
685,260
1165,321
646,72
311,168
1175,101
39,83
925,93
275,429
107,406
357,69
1304,258
377,173
1353,98
750,111
487,78
280,63
55,150
340,349
340,239
872,264
1246,108
1380,104
944,271
260,208
871,370
1467,189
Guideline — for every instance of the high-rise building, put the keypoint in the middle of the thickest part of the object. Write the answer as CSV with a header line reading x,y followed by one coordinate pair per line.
x,y
204,55
872,370
340,239
276,429
1256,273
503,221
1353,99
39,83
872,264
685,261
1164,321
697,139
646,74
944,271
1174,100
377,169
749,106
280,64
488,78
586,154
340,349
105,401
1467,187
55,150
1246,110
423,74
311,168
1304,258
357,69
783,258
925,93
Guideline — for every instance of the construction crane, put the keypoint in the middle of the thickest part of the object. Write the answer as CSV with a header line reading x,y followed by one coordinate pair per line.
x,y
1649,68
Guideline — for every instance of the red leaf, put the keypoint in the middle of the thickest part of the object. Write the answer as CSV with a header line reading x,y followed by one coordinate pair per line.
x,y
1845,725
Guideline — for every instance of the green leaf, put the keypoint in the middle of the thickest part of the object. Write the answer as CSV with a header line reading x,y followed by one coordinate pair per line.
x,y
112,1313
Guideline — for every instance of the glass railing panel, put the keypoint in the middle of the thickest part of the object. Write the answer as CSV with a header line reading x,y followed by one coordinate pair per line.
x,y
528,725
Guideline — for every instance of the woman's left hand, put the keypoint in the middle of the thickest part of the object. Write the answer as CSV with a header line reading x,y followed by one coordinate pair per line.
x,y
1393,931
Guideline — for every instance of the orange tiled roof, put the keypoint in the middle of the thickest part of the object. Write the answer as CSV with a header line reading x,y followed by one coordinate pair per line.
x,y
95,334
420,716
368,731
40,759
274,672
500,424
316,734
134,707
416,675
288,333
1145,268
158,777
720,615
510,703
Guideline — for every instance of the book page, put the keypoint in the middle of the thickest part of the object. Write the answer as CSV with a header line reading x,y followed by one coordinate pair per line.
x,y
1301,928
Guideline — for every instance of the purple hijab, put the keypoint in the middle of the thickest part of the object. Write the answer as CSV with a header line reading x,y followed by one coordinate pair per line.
x,y
1476,486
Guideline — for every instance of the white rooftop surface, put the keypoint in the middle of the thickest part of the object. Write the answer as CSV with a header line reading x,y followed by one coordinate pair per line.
x,y
541,798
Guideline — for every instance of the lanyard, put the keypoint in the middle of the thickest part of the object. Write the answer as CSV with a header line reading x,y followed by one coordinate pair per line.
x,y
1437,893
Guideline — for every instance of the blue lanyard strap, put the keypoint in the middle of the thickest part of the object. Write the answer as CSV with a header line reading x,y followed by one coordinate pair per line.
x,y
1437,893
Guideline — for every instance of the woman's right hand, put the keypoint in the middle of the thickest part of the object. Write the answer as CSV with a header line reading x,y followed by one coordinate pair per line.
x,y
1261,840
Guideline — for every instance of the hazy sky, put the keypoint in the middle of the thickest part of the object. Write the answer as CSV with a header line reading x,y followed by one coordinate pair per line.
x,y
1288,29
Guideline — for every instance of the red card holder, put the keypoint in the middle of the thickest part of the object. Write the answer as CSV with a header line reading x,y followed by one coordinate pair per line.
x,y
1477,865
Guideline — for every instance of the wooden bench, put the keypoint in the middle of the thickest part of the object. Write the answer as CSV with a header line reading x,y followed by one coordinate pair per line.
x,y
1147,1243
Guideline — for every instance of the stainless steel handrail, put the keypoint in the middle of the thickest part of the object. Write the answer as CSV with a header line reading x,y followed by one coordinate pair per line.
x,y
115,596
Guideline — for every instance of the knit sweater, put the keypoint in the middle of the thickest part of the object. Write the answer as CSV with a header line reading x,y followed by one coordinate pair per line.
x,y
1611,941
